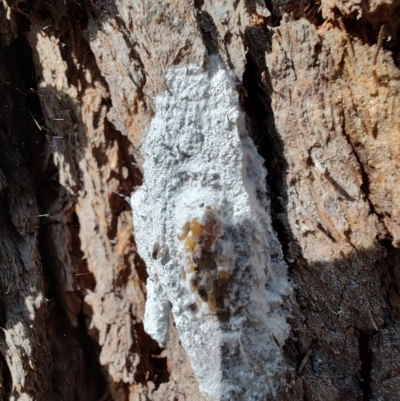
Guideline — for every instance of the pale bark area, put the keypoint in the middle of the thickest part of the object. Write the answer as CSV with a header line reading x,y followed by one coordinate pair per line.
x,y
78,81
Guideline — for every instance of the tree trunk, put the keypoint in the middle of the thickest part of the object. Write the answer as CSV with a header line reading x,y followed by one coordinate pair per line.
x,y
315,85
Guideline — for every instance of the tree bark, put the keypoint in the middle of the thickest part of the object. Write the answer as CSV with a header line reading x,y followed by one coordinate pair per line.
x,y
318,84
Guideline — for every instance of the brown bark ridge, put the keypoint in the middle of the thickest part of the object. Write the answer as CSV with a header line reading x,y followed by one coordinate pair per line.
x,y
319,82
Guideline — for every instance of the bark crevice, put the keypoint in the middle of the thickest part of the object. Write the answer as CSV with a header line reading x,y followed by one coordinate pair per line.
x,y
366,364
256,103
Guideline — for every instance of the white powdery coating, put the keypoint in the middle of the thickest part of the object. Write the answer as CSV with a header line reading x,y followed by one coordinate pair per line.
x,y
201,166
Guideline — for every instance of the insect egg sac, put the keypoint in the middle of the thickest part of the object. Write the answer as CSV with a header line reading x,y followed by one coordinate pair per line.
x,y
205,234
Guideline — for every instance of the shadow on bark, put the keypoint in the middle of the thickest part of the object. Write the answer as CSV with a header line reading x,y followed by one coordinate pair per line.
x,y
36,213
342,309
38,221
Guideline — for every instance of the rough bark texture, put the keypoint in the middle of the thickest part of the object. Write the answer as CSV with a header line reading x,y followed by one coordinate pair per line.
x,y
319,83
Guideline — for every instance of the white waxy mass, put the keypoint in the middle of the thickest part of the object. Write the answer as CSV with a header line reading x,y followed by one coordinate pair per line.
x,y
203,228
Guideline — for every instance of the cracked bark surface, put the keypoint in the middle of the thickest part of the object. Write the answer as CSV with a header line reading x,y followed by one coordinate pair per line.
x,y
320,87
